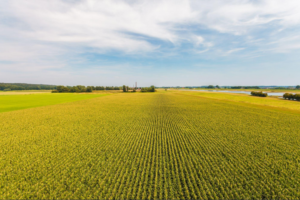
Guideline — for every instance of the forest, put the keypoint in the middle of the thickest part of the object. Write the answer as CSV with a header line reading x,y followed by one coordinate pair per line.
x,y
82,88
25,86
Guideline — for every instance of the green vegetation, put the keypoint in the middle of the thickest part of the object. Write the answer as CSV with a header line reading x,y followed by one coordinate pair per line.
x,y
148,89
18,92
78,88
89,89
25,86
112,88
125,88
163,145
81,88
18,102
99,88
289,96
259,94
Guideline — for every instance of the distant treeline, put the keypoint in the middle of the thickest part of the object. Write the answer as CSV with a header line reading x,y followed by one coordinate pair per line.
x,y
245,87
259,94
82,88
106,88
148,89
143,89
290,96
25,86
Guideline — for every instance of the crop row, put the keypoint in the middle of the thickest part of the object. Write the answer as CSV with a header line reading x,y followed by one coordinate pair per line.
x,y
149,146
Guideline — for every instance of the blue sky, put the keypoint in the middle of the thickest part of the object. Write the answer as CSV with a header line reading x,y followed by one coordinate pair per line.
x,y
160,42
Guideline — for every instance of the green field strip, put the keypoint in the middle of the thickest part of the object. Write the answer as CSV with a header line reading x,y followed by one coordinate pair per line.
x,y
19,102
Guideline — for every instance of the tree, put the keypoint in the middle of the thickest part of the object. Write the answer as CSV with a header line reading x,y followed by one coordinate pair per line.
x,y
217,86
110,88
124,88
288,96
62,88
100,88
297,97
152,88
148,89
81,88
25,86
259,94
210,87
236,87
74,89
298,87
89,89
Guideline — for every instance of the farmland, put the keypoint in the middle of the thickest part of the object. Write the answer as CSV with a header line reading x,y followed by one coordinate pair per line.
x,y
164,145
244,98
10,102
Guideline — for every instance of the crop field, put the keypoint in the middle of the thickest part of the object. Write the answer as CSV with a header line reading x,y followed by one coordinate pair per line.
x,y
10,101
163,145
244,98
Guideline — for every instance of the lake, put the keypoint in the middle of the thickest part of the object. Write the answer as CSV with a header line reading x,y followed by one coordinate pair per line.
x,y
244,92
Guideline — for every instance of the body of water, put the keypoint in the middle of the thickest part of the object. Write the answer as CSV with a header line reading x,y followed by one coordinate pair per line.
x,y
245,92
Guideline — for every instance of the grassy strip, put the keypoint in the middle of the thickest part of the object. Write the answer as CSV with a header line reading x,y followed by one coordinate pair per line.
x,y
18,102
24,91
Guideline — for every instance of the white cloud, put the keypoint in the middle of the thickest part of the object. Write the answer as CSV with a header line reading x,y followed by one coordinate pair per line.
x,y
200,52
285,44
35,30
106,23
234,50
198,40
238,16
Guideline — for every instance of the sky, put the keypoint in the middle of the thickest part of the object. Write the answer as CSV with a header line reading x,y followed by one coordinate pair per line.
x,y
157,42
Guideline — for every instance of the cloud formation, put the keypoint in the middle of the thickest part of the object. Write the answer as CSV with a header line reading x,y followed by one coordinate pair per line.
x,y
129,25
35,33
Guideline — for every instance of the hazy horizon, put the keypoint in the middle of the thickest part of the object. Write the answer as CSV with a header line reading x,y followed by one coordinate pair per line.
x,y
171,86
